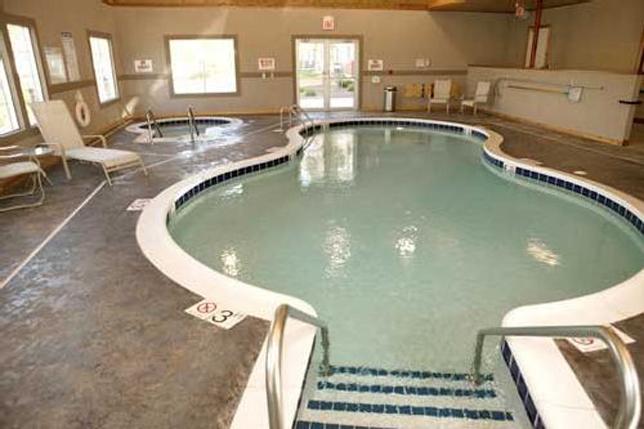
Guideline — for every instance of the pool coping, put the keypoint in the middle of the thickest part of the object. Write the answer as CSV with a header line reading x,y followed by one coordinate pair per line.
x,y
159,247
135,128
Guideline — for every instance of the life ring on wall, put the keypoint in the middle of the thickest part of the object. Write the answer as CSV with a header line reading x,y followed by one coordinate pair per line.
x,y
83,115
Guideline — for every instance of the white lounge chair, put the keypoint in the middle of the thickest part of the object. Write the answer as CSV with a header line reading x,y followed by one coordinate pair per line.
x,y
442,94
16,168
480,96
60,132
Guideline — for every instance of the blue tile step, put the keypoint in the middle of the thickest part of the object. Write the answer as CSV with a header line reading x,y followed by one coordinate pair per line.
x,y
303,424
406,410
477,393
368,397
364,371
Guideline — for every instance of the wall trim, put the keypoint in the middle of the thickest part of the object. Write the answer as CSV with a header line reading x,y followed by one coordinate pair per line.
x,y
59,88
415,72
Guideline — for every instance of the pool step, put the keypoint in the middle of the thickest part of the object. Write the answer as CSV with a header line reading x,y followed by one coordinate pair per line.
x,y
363,397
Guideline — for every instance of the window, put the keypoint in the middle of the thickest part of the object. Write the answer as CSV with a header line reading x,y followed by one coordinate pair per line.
x,y
543,46
203,65
103,62
8,118
26,63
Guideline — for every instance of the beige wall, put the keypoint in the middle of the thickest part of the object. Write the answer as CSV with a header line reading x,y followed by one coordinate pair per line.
x,y
598,115
75,16
450,40
598,35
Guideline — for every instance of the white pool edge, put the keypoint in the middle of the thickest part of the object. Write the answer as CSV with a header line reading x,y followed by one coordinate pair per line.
x,y
159,247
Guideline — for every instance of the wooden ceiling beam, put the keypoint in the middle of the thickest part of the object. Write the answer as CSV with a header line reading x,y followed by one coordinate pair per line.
x,y
498,6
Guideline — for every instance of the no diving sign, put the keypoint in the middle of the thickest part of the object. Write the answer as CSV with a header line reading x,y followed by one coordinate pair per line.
x,y
215,315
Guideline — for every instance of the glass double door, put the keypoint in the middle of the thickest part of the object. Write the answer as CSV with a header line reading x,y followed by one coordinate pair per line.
x,y
327,73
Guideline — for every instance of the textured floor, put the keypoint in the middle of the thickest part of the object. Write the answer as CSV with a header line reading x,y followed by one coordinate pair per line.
x,y
94,336
596,370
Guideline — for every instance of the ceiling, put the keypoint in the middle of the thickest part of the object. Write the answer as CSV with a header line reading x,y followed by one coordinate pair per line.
x,y
498,6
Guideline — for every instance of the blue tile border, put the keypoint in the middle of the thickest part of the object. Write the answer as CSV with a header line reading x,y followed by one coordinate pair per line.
x,y
402,122
188,195
522,388
605,201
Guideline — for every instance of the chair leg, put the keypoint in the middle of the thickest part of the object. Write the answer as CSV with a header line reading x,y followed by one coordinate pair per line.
x,y
145,170
107,175
68,174
36,184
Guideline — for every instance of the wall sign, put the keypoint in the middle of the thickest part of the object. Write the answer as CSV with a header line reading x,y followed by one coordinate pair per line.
x,y
328,23
143,66
375,65
266,64
71,60
55,64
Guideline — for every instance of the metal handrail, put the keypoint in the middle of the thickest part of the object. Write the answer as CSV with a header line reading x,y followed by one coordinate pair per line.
x,y
630,405
306,121
151,121
283,109
192,124
274,358
298,112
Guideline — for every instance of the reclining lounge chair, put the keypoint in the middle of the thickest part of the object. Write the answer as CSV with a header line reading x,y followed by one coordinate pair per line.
x,y
60,132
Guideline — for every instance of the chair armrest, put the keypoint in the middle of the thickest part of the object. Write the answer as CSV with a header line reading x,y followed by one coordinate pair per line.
x,y
11,147
13,156
97,136
59,149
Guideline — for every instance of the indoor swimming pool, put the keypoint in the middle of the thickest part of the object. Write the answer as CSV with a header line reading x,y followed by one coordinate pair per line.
x,y
405,242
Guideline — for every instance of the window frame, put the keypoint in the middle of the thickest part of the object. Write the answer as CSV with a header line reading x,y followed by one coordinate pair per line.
x,y
173,94
102,35
14,102
25,128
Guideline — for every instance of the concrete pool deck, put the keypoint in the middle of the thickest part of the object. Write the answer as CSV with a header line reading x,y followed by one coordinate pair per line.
x,y
94,335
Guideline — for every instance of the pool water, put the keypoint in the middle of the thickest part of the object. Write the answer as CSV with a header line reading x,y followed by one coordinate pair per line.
x,y
405,243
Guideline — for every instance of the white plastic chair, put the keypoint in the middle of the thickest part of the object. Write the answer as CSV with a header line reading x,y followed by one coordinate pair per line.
x,y
60,132
17,168
480,97
442,94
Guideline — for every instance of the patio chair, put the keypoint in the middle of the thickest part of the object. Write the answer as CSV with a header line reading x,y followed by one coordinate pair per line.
x,y
14,167
60,132
442,94
480,97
